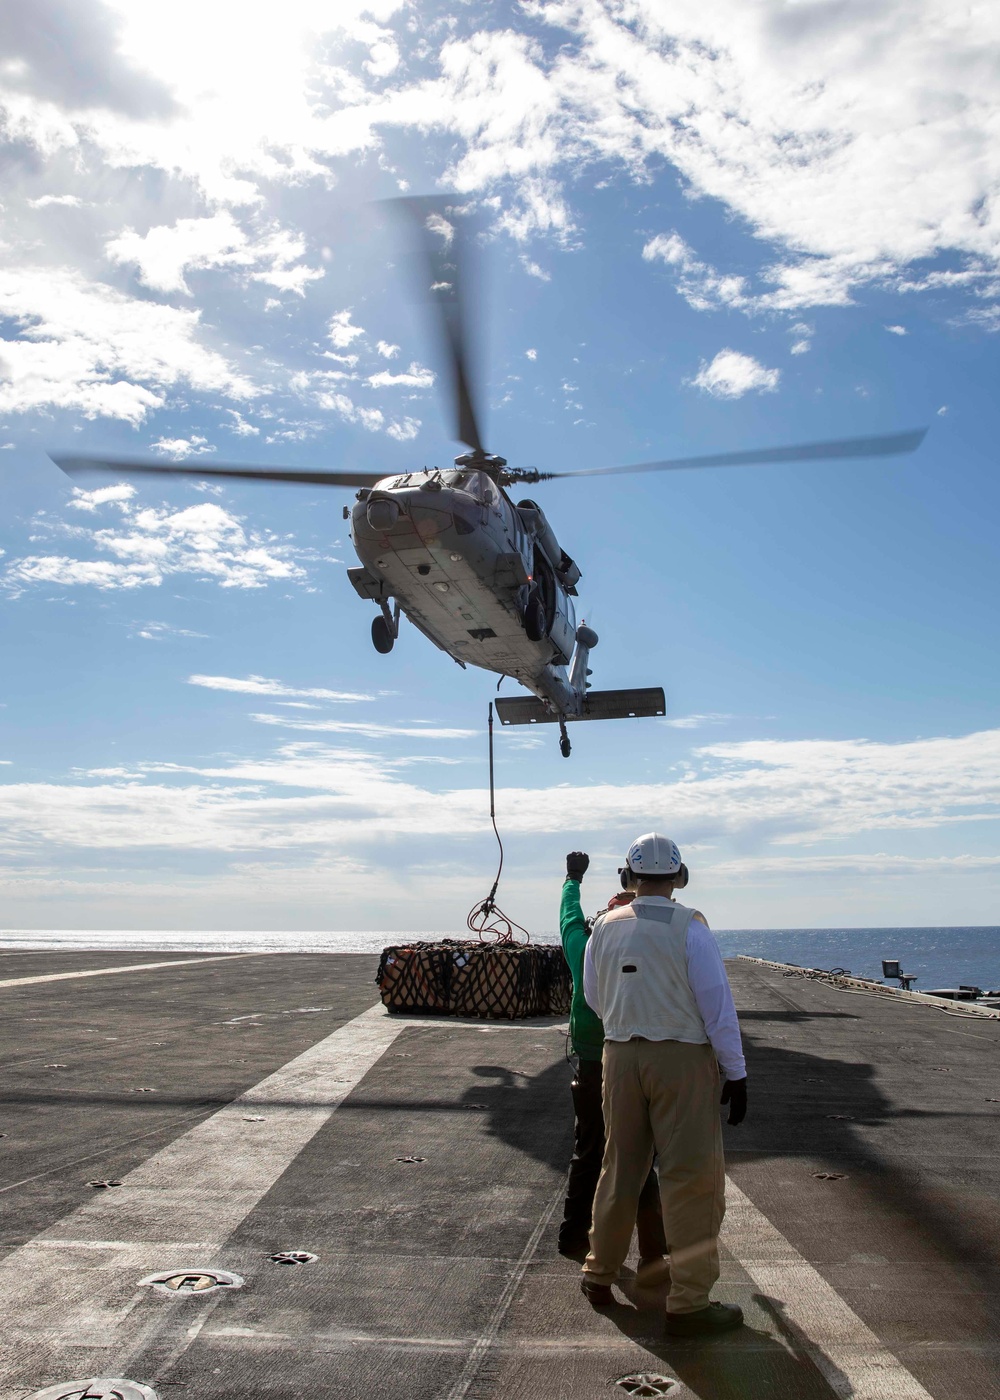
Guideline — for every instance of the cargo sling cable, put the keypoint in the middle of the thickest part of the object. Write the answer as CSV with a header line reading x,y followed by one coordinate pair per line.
x,y
487,920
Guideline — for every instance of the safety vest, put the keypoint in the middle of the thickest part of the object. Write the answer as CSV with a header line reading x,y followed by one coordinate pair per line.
x,y
640,958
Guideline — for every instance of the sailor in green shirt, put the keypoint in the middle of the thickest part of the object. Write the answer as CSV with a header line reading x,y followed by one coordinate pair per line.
x,y
587,1040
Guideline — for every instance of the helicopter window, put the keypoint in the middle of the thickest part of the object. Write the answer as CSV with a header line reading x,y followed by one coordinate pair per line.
x,y
461,481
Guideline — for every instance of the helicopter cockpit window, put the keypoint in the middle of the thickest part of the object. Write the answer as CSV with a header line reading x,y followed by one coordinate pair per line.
x,y
462,481
490,494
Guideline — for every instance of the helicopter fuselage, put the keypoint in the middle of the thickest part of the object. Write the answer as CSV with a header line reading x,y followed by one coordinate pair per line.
x,y
475,574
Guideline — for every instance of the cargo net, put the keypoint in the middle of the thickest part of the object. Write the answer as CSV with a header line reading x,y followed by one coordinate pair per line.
x,y
501,980
455,977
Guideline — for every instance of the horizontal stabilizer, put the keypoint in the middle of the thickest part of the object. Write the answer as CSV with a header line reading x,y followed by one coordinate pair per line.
x,y
597,704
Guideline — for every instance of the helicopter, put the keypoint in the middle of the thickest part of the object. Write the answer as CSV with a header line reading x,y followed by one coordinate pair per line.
x,y
483,577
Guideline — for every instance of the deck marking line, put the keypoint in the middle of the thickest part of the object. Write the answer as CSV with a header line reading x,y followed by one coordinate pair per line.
x,y
489,1333
104,1151
68,1301
847,1353
130,967
121,1244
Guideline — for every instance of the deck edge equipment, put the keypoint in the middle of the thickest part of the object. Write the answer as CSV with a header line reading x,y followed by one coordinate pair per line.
x,y
868,984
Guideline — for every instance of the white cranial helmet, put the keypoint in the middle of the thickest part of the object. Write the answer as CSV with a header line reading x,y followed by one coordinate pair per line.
x,y
653,855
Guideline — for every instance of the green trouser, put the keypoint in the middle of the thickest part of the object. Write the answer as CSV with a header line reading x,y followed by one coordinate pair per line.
x,y
661,1096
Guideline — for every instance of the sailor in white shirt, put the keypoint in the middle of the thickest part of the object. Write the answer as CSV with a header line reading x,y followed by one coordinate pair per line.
x,y
655,976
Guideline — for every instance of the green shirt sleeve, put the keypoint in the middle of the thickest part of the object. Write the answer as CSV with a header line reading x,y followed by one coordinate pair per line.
x,y
585,1026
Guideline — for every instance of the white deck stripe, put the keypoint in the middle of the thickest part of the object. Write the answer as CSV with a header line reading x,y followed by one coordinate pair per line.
x,y
128,967
848,1354
68,1302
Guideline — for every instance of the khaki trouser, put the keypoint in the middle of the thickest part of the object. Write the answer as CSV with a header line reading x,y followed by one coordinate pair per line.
x,y
661,1096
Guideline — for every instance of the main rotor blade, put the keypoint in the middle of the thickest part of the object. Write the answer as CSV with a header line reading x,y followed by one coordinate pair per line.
x,y
73,463
888,445
444,258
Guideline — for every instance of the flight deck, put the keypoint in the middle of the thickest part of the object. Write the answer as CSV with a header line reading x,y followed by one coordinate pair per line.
x,y
174,1124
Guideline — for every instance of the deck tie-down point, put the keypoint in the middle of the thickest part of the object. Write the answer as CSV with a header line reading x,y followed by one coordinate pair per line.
x,y
99,1388
175,1282
293,1256
646,1383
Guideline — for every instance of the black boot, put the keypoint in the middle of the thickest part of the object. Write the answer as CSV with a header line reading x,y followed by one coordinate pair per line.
x,y
717,1317
574,1240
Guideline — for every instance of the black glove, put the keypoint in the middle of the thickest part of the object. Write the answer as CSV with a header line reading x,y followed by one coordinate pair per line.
x,y
734,1093
576,865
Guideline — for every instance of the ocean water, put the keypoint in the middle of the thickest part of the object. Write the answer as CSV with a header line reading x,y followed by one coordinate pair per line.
x,y
940,957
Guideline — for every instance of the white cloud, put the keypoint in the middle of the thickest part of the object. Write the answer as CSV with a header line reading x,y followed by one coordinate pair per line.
x,y
69,573
699,284
82,345
240,107
68,201
809,283
896,330
121,492
404,430
987,317
341,331
772,794
416,377
732,374
853,139
160,631
373,420
240,426
364,729
261,685
194,446
531,354
801,347
850,136
878,863
164,253
167,251
153,544
697,721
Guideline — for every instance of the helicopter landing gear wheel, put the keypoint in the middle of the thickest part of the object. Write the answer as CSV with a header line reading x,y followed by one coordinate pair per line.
x,y
534,621
382,636
565,747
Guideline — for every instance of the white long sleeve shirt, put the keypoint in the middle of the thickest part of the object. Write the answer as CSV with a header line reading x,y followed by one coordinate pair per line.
x,y
701,966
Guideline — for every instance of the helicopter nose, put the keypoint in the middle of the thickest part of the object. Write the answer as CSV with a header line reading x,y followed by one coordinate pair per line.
x,y
382,514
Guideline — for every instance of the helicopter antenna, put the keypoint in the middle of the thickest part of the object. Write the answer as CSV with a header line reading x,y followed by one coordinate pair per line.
x,y
488,919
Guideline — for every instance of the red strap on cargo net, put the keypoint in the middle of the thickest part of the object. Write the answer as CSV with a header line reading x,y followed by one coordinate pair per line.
x,y
487,920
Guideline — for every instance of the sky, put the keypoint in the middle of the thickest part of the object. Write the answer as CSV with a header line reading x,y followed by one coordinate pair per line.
x,y
701,228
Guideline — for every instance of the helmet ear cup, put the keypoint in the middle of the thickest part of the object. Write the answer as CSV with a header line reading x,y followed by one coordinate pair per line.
x,y
626,875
